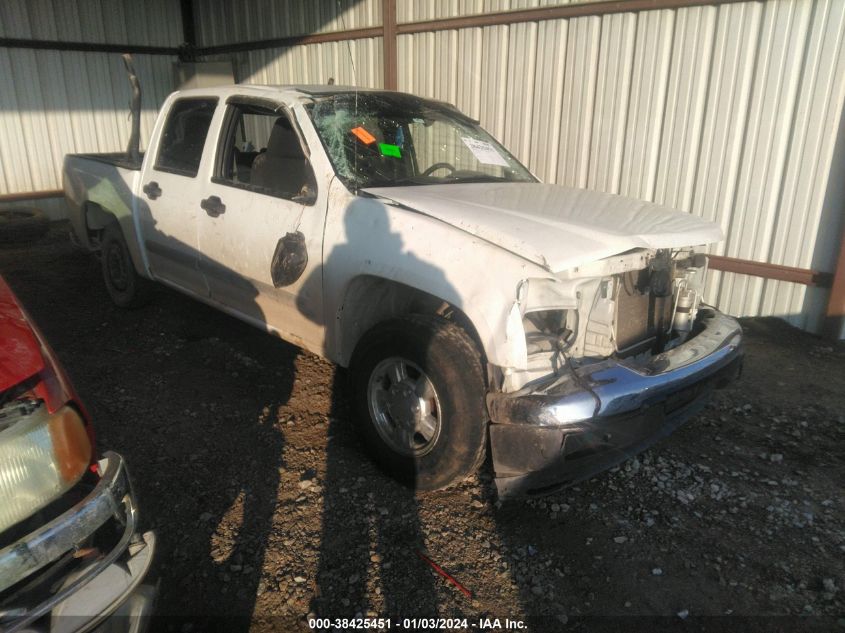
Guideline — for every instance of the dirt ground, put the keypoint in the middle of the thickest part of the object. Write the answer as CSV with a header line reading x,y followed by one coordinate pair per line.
x,y
246,464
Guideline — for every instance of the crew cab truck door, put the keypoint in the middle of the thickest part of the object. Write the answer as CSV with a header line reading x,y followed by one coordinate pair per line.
x,y
261,223
170,190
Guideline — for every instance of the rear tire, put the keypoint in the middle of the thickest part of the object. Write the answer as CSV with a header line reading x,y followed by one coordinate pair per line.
x,y
125,286
418,392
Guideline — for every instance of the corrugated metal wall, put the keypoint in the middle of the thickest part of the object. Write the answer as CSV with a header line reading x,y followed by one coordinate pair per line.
x,y
418,10
728,112
147,23
345,62
53,103
227,21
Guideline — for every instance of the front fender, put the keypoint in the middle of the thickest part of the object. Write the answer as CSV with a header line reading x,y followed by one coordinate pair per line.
x,y
373,239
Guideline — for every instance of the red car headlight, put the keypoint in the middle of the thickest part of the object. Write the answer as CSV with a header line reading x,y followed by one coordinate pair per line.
x,y
42,455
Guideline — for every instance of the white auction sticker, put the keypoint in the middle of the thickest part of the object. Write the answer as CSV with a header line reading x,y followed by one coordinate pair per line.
x,y
484,152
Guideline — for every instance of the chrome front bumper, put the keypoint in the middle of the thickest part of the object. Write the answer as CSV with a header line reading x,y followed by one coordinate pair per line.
x,y
588,420
93,591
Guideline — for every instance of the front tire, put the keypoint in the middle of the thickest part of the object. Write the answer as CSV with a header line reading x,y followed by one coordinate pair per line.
x,y
418,392
126,288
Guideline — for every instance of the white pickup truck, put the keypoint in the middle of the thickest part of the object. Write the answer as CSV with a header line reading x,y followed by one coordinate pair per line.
x,y
476,307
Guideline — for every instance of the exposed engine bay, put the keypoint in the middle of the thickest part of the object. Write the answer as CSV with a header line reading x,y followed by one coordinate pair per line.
x,y
636,304
649,310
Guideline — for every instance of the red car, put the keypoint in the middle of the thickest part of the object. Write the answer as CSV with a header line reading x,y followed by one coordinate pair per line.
x,y
71,553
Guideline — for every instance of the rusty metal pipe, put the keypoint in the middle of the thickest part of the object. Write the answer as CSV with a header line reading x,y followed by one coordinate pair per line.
x,y
133,152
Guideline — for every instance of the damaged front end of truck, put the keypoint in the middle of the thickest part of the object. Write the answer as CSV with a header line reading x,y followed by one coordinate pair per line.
x,y
619,353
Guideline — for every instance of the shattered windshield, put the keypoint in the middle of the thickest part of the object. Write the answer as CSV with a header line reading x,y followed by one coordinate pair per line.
x,y
390,139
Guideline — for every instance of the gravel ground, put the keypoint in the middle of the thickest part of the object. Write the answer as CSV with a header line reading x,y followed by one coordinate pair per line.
x,y
245,463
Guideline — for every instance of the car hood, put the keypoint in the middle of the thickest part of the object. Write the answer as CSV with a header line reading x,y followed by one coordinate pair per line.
x,y
556,227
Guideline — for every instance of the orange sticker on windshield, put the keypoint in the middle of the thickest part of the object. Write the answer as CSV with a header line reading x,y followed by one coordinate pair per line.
x,y
365,137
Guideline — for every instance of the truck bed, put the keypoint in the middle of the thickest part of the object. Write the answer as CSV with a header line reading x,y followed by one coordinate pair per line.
x,y
100,188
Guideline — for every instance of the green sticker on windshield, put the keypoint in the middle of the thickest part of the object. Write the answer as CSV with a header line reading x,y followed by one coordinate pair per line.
x,y
390,150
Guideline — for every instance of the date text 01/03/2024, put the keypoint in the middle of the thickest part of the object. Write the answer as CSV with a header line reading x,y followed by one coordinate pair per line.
x,y
413,624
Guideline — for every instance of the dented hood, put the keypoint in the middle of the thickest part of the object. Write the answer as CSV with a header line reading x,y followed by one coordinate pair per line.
x,y
556,227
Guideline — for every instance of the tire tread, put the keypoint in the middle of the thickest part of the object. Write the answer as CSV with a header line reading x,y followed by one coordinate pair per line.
x,y
143,287
461,353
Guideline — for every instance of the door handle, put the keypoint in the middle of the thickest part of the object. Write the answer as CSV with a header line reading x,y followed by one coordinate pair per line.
x,y
213,206
152,190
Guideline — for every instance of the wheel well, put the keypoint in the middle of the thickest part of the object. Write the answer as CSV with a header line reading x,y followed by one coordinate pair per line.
x,y
371,300
96,220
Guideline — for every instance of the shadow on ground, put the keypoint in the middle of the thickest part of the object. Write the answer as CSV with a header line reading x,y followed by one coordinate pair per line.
x,y
226,432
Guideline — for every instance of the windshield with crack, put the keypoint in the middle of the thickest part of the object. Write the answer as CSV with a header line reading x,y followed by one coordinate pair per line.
x,y
393,139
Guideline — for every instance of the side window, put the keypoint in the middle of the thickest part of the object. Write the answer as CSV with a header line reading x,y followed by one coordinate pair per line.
x,y
181,143
260,151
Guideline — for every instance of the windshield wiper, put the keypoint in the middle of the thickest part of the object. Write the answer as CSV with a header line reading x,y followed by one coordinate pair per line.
x,y
399,182
480,178
425,181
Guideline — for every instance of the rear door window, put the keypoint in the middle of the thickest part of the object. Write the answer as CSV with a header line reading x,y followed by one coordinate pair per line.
x,y
181,143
